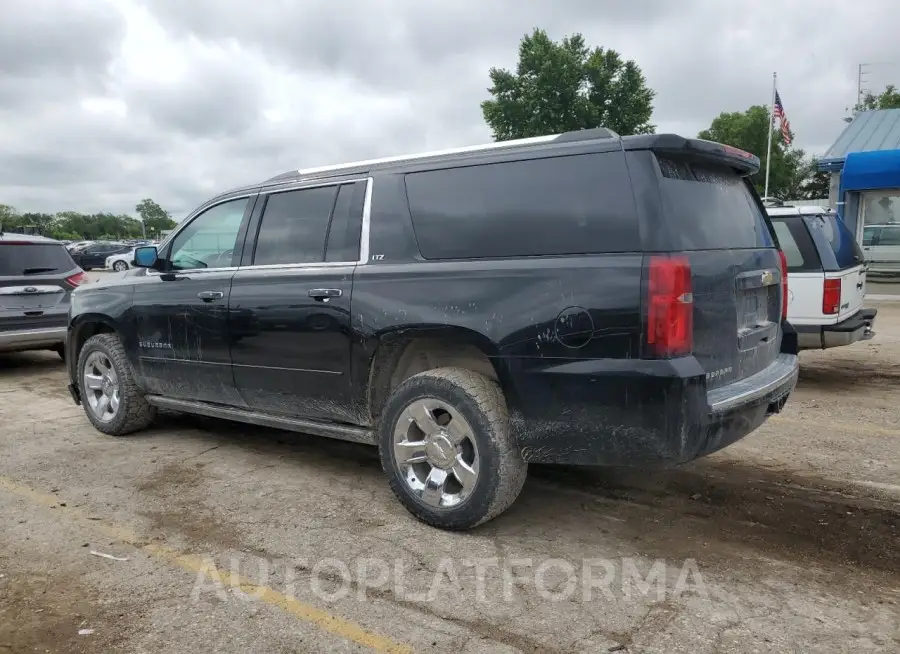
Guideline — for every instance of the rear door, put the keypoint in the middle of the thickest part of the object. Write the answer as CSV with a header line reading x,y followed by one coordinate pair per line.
x,y
34,291
842,259
709,213
289,309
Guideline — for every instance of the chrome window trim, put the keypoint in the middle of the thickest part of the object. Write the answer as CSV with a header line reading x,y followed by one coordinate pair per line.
x,y
366,223
363,239
303,185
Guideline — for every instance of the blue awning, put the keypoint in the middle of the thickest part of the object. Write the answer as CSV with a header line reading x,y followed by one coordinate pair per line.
x,y
865,171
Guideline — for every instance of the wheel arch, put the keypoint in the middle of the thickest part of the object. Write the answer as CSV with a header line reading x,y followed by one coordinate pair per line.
x,y
404,352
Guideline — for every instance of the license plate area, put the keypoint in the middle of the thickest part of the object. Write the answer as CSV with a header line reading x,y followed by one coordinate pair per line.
x,y
30,297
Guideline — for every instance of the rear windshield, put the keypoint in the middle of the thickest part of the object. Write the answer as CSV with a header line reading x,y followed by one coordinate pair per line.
x,y
836,244
710,207
34,259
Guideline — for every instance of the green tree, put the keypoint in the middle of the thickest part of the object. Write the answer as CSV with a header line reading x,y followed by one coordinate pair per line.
x,y
155,218
817,185
566,86
887,99
747,130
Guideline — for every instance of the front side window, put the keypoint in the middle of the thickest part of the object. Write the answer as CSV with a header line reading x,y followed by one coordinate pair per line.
x,y
294,226
869,235
209,241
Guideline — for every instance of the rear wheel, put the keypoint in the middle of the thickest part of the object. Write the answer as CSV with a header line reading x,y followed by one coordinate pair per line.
x,y
446,447
111,399
120,266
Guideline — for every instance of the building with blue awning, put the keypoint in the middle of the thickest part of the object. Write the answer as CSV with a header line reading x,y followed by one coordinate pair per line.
x,y
864,164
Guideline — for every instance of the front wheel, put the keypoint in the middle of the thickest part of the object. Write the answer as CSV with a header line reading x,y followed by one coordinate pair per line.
x,y
446,446
120,266
111,399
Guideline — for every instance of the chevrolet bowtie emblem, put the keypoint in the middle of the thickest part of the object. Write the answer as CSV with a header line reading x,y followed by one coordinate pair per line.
x,y
768,278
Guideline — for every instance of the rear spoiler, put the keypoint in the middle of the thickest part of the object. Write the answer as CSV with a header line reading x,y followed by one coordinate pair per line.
x,y
744,162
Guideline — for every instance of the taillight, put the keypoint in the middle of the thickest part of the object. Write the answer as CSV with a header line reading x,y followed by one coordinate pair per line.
x,y
670,307
77,279
784,285
831,296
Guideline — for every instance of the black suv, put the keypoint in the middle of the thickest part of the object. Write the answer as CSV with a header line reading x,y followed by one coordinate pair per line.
x,y
37,277
580,299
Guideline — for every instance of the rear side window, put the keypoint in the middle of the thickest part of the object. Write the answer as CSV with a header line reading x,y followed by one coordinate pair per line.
x,y
294,225
34,259
577,204
798,247
839,249
710,207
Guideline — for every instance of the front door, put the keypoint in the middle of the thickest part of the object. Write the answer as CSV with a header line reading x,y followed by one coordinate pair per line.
x,y
180,314
290,306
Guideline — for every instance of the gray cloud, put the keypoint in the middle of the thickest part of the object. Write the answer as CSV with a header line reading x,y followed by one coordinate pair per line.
x,y
57,35
262,87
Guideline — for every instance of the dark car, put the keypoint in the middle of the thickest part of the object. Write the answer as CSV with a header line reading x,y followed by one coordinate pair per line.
x,y
95,254
577,299
37,277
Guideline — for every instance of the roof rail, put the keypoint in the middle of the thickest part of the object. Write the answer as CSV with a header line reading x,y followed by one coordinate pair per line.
x,y
578,135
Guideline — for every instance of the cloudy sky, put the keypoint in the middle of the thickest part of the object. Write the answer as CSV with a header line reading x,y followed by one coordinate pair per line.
x,y
105,102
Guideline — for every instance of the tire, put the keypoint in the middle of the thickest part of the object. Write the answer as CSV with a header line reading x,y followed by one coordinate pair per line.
x,y
120,266
448,394
133,412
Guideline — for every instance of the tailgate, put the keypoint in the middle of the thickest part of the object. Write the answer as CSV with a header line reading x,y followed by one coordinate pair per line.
x,y
853,290
711,216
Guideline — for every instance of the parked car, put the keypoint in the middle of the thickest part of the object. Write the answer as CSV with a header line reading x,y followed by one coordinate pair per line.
x,y
120,262
37,277
826,278
578,299
95,254
881,245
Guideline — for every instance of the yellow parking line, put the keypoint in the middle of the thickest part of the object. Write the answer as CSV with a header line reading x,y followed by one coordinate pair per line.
x,y
862,427
306,612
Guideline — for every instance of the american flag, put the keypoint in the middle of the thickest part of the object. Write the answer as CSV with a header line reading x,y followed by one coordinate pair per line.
x,y
785,123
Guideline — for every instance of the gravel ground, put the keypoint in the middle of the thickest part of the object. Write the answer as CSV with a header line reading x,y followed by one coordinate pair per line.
x,y
250,540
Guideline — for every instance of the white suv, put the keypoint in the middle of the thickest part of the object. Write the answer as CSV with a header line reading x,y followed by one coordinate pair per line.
x,y
826,277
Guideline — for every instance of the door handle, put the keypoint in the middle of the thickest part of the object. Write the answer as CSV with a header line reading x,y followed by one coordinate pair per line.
x,y
325,293
209,296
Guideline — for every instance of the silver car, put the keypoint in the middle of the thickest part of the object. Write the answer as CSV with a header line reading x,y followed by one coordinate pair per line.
x,y
37,276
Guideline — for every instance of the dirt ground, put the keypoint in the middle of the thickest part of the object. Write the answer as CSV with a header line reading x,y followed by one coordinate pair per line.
x,y
248,540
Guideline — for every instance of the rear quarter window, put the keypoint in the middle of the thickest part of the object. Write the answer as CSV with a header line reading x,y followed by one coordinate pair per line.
x,y
710,207
797,245
837,246
579,204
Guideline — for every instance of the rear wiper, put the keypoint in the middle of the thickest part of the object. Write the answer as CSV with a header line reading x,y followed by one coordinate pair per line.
x,y
37,270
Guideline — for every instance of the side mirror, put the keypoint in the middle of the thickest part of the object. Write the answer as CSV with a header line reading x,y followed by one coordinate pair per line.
x,y
145,257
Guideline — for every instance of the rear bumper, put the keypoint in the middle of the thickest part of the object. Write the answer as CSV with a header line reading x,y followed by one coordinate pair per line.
x,y
638,413
858,327
32,339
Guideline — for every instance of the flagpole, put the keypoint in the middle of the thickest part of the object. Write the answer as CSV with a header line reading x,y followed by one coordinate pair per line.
x,y
771,123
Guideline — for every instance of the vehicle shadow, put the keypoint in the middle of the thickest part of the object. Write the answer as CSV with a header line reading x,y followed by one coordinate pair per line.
x,y
711,507
29,363
828,373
